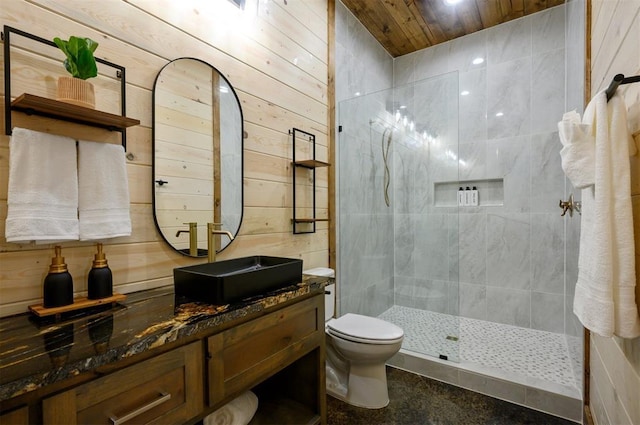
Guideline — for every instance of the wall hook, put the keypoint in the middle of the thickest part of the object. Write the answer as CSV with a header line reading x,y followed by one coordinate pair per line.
x,y
570,205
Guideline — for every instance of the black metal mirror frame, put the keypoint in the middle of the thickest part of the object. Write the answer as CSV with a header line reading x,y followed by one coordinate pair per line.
x,y
153,159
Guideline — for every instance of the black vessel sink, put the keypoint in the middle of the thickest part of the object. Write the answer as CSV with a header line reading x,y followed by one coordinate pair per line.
x,y
224,282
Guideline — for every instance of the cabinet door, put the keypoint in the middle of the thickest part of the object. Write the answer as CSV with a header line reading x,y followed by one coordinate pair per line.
x,y
246,355
164,389
16,417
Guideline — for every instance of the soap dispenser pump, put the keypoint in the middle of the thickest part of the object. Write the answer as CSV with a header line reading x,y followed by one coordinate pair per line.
x,y
100,283
58,284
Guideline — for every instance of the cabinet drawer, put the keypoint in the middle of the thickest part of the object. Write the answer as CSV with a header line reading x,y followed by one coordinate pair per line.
x,y
164,389
245,355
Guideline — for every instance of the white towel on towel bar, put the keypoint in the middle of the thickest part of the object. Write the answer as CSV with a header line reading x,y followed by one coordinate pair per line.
x,y
605,292
238,411
42,200
578,153
103,204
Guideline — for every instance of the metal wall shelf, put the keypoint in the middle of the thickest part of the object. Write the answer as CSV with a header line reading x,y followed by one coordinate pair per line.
x,y
310,164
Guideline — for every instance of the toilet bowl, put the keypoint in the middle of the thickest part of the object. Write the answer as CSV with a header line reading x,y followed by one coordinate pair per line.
x,y
357,348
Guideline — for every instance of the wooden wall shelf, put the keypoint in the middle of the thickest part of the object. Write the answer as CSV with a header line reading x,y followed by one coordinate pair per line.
x,y
311,163
36,105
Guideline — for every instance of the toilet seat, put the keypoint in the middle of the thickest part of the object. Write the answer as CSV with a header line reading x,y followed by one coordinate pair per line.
x,y
364,329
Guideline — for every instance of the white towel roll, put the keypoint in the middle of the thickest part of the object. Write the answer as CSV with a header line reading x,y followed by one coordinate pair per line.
x,y
103,191
43,188
238,411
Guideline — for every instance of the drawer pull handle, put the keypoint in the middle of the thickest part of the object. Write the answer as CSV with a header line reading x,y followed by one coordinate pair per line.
x,y
163,397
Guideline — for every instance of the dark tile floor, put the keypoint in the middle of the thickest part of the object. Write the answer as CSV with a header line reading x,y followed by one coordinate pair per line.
x,y
416,400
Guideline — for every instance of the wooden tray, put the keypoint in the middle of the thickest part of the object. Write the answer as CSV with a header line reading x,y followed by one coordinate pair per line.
x,y
79,303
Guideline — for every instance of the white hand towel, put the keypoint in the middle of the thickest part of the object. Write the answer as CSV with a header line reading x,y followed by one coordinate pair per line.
x,y
238,411
103,191
42,199
605,292
579,151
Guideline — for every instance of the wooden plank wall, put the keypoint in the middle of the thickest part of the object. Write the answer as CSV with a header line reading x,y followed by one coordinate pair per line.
x,y
614,362
274,54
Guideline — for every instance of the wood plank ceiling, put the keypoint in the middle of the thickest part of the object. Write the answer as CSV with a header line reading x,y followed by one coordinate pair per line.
x,y
404,26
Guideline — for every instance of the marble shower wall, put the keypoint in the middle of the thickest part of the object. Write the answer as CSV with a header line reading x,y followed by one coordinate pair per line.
x,y
365,224
511,264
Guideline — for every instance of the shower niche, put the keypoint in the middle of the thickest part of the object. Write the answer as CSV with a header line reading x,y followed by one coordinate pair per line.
x,y
490,192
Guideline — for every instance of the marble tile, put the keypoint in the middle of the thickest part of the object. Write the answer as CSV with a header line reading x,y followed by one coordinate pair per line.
x,y
548,91
404,68
547,253
432,295
509,41
432,249
473,106
509,98
432,61
547,176
548,29
509,159
472,160
472,248
404,244
509,251
473,301
547,312
509,306
498,388
453,226
564,407
464,50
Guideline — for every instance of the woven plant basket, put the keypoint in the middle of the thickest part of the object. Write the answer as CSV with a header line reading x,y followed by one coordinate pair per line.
x,y
76,91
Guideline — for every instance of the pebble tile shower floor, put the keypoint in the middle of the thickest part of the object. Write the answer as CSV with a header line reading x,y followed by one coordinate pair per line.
x,y
536,358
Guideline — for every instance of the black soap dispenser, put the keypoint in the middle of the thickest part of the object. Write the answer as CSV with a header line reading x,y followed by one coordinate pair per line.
x,y
58,285
100,283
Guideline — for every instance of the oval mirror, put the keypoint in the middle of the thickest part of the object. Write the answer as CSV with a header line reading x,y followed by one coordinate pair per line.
x,y
197,156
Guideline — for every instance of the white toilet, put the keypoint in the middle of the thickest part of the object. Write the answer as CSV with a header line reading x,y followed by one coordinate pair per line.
x,y
357,350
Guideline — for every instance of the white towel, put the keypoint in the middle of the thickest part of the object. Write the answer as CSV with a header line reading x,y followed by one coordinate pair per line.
x,y
43,188
103,191
579,149
605,292
238,411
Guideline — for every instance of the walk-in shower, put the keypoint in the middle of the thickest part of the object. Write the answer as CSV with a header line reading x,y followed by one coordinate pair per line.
x,y
481,288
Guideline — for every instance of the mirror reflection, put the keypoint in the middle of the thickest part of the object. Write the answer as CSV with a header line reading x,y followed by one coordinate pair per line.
x,y
197,157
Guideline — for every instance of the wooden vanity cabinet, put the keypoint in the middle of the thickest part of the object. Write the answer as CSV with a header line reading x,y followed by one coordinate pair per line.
x,y
284,352
278,354
166,389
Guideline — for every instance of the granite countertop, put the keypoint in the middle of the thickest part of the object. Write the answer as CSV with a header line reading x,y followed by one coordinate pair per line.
x,y
35,353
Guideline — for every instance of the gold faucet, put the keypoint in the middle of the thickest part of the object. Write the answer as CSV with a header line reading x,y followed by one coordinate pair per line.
x,y
211,230
193,237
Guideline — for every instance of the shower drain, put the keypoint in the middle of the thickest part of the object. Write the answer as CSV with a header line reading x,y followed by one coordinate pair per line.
x,y
452,338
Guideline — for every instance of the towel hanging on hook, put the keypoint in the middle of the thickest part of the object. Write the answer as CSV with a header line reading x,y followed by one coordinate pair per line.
x,y
620,79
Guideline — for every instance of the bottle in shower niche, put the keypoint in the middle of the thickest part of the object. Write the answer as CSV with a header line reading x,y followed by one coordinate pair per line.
x,y
58,284
474,197
100,283
461,197
467,197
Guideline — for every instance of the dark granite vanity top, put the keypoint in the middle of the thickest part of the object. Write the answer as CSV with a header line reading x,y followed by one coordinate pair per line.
x,y
34,353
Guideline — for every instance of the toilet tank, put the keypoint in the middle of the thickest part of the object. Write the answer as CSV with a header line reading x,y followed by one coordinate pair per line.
x,y
330,290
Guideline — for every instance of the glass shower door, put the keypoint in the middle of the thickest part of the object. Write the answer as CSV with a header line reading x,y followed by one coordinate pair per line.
x,y
398,211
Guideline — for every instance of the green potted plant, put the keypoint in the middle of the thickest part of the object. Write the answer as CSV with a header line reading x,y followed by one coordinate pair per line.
x,y
81,64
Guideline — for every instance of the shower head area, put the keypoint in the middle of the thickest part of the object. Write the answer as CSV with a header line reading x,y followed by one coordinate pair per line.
x,y
484,289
